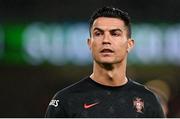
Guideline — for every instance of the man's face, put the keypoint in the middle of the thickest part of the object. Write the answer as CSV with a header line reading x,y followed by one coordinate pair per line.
x,y
109,42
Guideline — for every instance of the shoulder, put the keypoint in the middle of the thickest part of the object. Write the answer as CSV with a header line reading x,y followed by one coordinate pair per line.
x,y
73,88
142,89
150,100
69,93
60,102
139,86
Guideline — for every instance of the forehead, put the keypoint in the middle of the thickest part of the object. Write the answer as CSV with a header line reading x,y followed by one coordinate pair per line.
x,y
108,23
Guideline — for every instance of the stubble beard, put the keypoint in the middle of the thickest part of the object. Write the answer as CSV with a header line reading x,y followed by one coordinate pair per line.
x,y
107,65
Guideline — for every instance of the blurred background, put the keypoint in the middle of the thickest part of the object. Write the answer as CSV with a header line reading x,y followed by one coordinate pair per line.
x,y
43,49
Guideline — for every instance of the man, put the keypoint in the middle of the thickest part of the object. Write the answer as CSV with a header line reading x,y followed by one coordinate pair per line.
x,y
107,92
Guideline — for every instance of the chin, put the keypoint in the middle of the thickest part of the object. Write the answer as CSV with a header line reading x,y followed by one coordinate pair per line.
x,y
107,62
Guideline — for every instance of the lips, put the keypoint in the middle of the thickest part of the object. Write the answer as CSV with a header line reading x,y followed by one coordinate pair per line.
x,y
107,51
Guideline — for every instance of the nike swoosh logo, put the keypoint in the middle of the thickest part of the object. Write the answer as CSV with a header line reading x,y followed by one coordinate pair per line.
x,y
86,106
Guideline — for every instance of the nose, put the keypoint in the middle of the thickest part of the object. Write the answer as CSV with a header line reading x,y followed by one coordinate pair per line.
x,y
106,39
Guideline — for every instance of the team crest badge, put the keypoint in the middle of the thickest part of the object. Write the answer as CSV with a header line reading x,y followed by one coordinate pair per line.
x,y
138,104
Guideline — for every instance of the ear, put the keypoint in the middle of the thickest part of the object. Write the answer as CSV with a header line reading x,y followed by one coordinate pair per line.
x,y
89,42
130,44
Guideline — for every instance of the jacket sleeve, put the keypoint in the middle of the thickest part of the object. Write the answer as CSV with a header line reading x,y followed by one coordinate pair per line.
x,y
56,107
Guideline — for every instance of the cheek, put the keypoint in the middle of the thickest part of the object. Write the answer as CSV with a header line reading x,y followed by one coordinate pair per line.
x,y
95,45
122,48
93,48
122,45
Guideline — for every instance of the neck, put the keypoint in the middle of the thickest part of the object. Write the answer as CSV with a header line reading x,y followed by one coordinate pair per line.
x,y
110,74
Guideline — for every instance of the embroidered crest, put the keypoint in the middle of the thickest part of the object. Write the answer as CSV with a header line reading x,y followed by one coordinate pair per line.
x,y
138,104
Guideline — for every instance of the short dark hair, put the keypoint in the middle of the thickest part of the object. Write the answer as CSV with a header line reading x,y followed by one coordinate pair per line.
x,y
112,13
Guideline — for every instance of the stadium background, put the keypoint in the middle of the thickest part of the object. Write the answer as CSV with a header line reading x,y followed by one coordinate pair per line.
x,y
43,49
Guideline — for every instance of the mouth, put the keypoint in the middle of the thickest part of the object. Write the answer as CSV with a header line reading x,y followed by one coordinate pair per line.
x,y
106,51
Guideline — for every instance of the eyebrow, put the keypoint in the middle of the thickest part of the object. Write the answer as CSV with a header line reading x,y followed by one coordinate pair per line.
x,y
98,29
101,30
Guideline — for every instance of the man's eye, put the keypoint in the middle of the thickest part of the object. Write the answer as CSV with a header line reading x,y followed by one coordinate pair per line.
x,y
97,33
115,34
